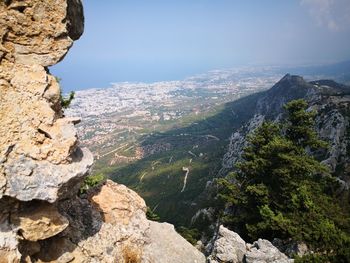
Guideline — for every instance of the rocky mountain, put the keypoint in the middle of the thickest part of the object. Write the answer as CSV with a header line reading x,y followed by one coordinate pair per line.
x,y
331,100
42,217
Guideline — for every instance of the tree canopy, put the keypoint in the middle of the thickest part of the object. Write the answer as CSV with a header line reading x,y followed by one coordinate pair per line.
x,y
281,191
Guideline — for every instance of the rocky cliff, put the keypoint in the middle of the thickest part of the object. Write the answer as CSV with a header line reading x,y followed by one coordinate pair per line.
x,y
42,218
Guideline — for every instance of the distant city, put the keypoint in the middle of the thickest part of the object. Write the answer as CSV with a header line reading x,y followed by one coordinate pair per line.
x,y
115,119
116,116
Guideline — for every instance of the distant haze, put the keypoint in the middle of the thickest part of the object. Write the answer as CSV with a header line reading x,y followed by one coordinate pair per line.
x,y
137,40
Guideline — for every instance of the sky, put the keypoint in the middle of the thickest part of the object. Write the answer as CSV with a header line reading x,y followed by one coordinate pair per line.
x,y
155,40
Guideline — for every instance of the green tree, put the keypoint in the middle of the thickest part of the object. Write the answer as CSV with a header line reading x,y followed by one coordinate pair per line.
x,y
280,190
65,102
300,125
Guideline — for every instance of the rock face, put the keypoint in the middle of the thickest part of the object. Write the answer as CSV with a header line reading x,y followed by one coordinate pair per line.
x,y
229,247
34,136
42,218
40,162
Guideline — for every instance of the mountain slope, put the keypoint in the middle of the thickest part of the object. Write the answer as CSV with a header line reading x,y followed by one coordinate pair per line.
x,y
175,180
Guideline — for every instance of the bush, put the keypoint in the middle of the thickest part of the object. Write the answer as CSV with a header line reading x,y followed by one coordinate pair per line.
x,y
151,215
65,102
92,181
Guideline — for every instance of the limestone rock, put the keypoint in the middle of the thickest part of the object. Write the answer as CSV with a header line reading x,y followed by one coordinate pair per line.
x,y
290,247
117,203
89,236
262,251
39,157
168,246
111,226
39,31
39,222
9,256
25,177
42,219
8,241
34,136
228,247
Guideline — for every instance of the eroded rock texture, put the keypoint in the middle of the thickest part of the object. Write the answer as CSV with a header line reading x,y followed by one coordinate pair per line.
x,y
42,218
40,162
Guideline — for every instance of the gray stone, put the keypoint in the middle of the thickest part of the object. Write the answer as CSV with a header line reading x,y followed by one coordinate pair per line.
x,y
41,180
228,247
168,246
262,251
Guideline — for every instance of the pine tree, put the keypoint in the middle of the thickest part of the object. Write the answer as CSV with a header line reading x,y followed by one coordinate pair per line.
x,y
280,190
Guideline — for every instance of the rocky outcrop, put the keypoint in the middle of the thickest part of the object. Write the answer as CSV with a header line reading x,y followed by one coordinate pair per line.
x,y
42,218
35,139
40,162
109,225
229,247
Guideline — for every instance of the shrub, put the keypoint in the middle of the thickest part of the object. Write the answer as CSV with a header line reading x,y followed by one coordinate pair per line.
x,y
92,181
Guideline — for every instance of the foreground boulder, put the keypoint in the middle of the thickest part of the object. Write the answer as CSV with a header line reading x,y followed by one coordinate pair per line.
x,y
228,247
110,225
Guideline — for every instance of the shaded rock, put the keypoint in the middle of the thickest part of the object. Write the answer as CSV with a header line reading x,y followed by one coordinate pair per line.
x,y
75,16
39,222
28,248
290,247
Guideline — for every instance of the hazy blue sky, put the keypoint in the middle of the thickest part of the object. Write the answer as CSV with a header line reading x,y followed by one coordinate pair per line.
x,y
150,40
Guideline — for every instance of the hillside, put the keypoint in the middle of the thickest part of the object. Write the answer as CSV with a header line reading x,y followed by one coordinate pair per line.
x,y
209,148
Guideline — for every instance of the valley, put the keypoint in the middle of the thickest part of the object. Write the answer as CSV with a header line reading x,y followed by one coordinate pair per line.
x,y
169,140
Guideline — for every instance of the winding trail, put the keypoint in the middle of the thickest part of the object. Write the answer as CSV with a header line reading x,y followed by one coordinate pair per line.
x,y
142,176
187,170
123,145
